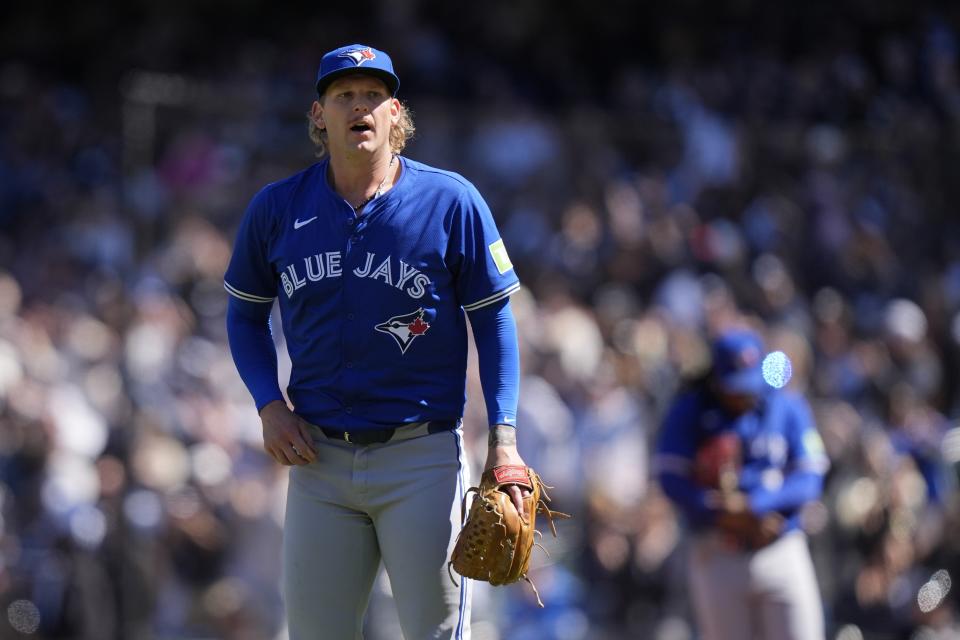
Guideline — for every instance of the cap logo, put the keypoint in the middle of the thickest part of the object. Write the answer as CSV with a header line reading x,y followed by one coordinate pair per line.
x,y
359,56
747,357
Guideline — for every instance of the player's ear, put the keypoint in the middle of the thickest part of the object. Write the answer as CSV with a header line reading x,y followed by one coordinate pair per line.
x,y
316,114
395,110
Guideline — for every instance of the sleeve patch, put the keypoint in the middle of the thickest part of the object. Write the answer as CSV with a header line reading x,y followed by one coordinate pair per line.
x,y
813,443
500,258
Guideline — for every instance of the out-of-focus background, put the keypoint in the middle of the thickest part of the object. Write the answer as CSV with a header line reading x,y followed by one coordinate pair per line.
x,y
655,172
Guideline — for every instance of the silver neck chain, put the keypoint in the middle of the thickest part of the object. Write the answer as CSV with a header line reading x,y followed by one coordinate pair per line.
x,y
379,191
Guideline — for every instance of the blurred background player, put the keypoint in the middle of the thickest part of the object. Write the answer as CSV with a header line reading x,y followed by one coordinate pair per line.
x,y
740,459
374,258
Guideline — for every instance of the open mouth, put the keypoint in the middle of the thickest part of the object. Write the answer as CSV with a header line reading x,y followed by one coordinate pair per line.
x,y
360,127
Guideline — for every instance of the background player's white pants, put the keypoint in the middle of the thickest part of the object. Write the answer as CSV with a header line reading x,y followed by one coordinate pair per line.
x,y
399,502
771,594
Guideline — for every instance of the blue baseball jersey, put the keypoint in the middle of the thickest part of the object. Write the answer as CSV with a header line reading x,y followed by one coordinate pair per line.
x,y
373,305
783,456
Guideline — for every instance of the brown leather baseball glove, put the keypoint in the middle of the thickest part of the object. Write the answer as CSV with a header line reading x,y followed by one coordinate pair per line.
x,y
717,462
496,542
746,530
716,467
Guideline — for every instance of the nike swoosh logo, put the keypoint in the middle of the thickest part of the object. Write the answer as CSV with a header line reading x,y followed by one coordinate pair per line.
x,y
297,224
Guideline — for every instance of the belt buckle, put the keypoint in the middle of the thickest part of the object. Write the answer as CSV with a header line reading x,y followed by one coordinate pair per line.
x,y
346,437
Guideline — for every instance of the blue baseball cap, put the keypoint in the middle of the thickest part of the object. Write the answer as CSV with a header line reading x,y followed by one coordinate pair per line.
x,y
356,58
738,362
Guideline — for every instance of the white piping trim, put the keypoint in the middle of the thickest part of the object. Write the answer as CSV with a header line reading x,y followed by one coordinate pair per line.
x,y
673,464
491,299
463,613
819,464
249,297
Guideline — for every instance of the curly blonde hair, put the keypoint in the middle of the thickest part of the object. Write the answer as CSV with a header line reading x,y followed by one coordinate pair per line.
x,y
400,133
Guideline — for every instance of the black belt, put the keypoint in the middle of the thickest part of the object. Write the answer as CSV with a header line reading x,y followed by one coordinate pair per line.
x,y
376,436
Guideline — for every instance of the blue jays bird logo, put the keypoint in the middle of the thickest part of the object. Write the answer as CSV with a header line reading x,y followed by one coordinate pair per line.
x,y
405,329
359,56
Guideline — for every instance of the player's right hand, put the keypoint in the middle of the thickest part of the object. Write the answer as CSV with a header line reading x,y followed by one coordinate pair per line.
x,y
500,454
285,435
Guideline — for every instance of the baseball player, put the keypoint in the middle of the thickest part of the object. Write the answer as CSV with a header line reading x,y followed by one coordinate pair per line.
x,y
374,258
739,458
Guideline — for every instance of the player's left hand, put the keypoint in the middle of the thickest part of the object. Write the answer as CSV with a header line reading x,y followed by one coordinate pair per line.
x,y
501,451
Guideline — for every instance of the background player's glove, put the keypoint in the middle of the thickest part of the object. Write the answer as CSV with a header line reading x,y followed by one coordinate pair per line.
x,y
747,530
716,467
496,542
717,462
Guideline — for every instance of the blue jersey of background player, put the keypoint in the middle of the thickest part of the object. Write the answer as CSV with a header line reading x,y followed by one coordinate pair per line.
x,y
739,591
374,260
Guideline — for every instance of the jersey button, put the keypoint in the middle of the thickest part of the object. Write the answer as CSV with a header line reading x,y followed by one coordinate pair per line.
x,y
349,409
349,365
350,316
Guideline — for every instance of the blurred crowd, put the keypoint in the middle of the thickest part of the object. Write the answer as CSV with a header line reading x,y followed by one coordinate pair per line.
x,y
795,171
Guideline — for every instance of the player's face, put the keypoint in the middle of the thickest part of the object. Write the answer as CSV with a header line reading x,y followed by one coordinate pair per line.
x,y
357,111
737,403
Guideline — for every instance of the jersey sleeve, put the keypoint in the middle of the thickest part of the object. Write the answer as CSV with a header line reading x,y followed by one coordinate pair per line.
x,y
250,276
484,273
676,443
673,460
495,332
807,453
806,464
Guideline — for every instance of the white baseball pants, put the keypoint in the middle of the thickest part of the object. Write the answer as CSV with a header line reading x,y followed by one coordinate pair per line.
x,y
770,594
398,502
